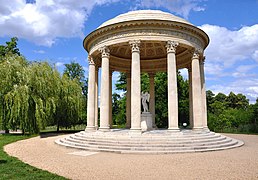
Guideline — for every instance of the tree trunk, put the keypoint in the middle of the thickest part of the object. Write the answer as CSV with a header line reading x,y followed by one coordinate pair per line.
x,y
6,131
57,130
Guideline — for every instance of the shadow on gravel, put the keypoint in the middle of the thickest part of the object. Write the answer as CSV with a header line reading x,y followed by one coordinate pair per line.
x,y
55,133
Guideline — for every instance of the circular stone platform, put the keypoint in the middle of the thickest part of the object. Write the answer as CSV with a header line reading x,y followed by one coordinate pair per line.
x,y
150,142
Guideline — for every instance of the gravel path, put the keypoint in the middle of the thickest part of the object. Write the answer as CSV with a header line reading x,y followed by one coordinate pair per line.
x,y
239,163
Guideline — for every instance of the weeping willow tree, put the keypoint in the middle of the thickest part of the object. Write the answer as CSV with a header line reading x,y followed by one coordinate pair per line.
x,y
70,103
34,95
13,90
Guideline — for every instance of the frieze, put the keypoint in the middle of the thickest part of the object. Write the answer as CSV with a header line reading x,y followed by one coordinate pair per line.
x,y
147,32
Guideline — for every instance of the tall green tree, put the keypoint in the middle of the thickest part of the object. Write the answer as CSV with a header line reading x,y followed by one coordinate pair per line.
x,y
119,109
70,104
210,99
121,82
10,48
75,71
13,83
34,95
183,99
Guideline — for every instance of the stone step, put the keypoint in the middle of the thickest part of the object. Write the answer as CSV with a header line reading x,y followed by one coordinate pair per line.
x,y
140,142
143,135
173,145
147,141
153,142
176,138
153,150
160,144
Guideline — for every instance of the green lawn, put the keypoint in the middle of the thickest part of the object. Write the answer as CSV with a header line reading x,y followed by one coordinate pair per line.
x,y
12,168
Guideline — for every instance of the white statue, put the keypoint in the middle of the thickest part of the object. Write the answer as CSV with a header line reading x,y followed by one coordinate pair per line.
x,y
145,97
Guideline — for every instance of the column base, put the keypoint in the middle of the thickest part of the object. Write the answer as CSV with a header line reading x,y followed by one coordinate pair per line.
x,y
197,129
127,126
104,129
96,127
90,128
154,127
206,129
135,131
173,129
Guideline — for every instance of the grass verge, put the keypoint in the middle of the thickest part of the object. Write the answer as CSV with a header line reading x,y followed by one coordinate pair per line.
x,y
12,168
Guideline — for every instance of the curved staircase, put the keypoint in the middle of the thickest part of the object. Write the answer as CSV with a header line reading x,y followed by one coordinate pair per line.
x,y
150,142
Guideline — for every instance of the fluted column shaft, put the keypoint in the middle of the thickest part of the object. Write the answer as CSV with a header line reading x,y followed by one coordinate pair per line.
x,y
91,96
128,100
96,99
152,98
104,97
196,92
110,99
190,97
172,86
135,87
204,101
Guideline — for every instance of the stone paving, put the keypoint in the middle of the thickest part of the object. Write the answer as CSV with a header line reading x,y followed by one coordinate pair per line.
x,y
238,163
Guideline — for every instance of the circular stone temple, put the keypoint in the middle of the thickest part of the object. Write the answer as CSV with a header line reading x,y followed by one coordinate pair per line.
x,y
146,41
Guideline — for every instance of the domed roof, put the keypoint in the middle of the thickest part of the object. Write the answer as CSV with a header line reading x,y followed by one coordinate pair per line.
x,y
144,15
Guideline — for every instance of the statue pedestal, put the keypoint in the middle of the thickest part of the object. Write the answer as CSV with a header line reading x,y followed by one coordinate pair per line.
x,y
146,121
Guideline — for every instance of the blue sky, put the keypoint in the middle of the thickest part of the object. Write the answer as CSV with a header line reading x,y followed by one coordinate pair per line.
x,y
53,30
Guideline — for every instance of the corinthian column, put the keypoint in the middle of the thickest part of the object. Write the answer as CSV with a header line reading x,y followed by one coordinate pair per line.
x,y
196,92
172,86
135,87
204,101
91,96
190,97
110,99
104,97
128,100
96,99
152,98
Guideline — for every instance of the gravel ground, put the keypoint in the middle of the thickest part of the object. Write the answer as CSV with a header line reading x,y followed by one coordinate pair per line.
x,y
239,163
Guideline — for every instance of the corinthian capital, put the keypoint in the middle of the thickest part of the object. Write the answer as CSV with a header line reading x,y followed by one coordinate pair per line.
x,y
105,52
171,46
197,54
91,61
135,45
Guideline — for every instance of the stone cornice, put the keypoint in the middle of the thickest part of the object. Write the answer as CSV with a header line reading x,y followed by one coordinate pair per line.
x,y
132,25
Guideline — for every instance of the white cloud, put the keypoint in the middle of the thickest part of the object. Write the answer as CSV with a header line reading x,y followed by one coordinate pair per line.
x,y
255,55
39,51
228,47
248,87
184,73
44,21
246,68
230,58
58,64
213,68
182,7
